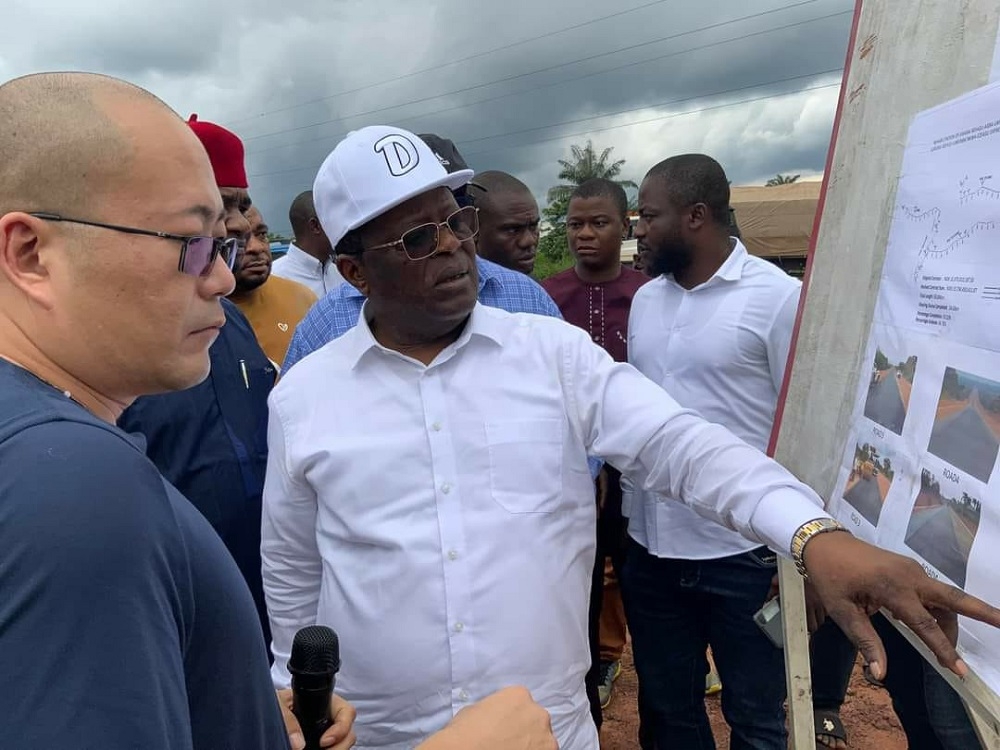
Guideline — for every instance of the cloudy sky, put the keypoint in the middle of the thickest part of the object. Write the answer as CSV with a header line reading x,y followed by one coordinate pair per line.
x,y
752,82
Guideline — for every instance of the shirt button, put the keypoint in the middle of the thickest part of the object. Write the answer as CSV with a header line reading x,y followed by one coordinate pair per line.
x,y
446,488
436,427
459,627
463,696
452,554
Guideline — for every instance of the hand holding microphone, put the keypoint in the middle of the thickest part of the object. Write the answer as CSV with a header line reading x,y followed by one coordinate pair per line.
x,y
315,718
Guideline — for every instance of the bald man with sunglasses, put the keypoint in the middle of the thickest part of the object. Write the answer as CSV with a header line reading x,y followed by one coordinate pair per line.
x,y
123,621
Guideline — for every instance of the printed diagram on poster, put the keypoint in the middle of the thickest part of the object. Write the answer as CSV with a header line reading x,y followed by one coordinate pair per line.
x,y
919,469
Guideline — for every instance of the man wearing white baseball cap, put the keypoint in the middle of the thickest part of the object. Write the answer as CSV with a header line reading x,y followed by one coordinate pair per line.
x,y
427,485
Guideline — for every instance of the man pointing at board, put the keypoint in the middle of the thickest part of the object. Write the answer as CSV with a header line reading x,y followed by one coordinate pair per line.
x,y
435,507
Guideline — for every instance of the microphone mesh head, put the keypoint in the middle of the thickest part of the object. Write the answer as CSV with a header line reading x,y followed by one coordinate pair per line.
x,y
315,650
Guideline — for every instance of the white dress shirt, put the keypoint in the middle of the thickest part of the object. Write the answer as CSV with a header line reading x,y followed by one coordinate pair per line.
x,y
719,349
441,518
300,266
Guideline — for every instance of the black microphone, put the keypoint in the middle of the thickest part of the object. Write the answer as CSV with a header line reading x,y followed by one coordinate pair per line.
x,y
314,664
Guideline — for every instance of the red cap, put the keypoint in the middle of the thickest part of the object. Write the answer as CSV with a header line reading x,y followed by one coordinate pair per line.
x,y
225,151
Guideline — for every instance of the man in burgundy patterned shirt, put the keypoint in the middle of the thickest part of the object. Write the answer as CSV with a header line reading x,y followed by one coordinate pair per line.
x,y
596,295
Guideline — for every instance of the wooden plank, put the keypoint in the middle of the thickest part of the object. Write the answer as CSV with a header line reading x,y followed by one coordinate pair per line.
x,y
801,730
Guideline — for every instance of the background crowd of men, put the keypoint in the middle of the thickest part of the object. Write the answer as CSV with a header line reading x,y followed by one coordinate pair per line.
x,y
392,430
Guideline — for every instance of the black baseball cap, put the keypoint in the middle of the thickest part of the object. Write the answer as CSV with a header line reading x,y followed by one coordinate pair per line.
x,y
447,153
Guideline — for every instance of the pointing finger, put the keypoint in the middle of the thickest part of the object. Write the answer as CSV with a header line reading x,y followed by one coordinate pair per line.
x,y
940,596
926,627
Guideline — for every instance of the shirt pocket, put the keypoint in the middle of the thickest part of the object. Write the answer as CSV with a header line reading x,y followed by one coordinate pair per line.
x,y
526,458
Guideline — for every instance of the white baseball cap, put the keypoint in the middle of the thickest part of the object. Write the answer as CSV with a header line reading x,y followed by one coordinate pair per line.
x,y
373,170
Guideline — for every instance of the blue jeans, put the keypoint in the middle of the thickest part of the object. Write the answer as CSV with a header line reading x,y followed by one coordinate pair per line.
x,y
931,712
675,609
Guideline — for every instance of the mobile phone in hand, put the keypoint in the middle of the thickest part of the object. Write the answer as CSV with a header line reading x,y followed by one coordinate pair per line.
x,y
768,619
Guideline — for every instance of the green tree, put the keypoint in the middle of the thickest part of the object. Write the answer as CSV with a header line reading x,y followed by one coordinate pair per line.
x,y
585,164
881,361
782,179
553,248
908,368
951,386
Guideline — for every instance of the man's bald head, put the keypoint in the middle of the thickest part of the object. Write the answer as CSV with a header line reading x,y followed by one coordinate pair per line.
x,y
301,212
309,235
496,184
508,220
61,145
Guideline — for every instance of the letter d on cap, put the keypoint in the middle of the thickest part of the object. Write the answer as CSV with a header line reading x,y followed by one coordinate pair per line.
x,y
400,154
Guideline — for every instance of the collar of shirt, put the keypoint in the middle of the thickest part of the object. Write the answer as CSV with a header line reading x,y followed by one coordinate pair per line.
x,y
487,274
299,257
362,340
730,270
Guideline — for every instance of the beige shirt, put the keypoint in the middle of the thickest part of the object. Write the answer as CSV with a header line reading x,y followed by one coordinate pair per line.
x,y
274,309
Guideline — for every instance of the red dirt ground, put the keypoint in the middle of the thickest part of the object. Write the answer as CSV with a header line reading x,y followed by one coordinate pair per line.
x,y
867,715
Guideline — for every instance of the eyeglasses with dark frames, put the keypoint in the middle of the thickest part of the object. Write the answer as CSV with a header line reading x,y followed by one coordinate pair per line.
x,y
423,241
198,253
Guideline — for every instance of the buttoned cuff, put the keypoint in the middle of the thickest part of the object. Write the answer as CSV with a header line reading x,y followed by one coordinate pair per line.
x,y
781,513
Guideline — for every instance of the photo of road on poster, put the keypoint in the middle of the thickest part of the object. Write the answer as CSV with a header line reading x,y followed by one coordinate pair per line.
x,y
889,386
943,524
869,481
966,430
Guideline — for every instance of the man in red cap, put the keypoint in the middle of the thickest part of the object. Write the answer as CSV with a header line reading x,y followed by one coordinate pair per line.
x,y
210,440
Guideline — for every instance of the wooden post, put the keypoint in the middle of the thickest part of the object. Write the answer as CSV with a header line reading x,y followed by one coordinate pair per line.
x,y
793,620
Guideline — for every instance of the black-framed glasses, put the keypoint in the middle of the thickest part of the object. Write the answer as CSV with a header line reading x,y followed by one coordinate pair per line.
x,y
423,241
197,253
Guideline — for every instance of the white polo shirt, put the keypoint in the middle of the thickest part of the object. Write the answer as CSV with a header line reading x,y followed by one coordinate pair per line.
x,y
719,349
440,518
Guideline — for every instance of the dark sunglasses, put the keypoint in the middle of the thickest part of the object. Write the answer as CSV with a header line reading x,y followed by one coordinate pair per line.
x,y
197,253
422,241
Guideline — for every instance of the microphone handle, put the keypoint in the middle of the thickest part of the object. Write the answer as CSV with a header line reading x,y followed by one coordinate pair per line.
x,y
311,706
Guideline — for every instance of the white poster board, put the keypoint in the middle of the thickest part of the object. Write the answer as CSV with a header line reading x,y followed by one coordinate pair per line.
x,y
903,59
919,468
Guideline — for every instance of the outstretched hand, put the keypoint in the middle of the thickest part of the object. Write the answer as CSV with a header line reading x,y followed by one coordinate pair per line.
x,y
854,580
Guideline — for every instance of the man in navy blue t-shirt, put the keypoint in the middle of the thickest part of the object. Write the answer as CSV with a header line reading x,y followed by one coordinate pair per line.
x,y
124,621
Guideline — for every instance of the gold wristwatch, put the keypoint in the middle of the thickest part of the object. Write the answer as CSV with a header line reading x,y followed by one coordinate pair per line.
x,y
806,532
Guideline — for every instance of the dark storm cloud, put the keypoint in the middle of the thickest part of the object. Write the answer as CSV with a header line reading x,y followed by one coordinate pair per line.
x,y
350,64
